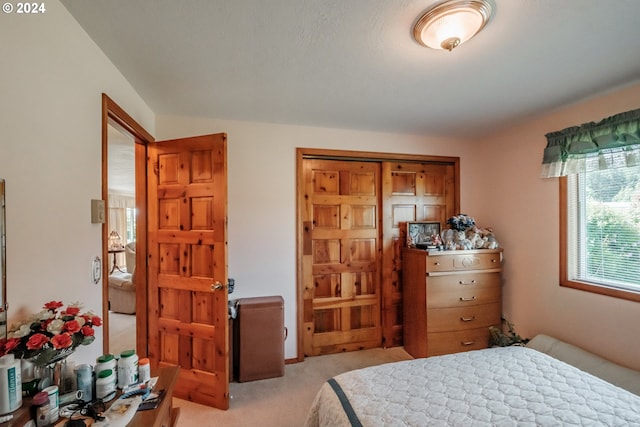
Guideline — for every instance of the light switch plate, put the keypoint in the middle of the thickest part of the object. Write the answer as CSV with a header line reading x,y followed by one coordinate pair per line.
x,y
97,211
96,270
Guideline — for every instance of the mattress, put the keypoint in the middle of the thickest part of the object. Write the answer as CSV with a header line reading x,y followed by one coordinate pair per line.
x,y
505,386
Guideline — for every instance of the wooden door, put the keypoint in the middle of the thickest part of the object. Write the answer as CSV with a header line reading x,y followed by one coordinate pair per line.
x,y
410,192
187,264
340,256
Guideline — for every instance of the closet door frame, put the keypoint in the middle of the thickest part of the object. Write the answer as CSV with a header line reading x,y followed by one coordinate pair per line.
x,y
358,156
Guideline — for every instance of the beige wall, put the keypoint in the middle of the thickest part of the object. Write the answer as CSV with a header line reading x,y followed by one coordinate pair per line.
x,y
523,209
262,194
50,155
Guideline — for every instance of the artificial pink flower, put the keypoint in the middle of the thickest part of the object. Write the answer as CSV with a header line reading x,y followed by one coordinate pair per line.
x,y
72,326
61,341
87,331
36,341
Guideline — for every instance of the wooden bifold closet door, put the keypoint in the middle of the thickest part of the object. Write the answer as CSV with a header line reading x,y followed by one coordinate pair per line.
x,y
351,214
341,261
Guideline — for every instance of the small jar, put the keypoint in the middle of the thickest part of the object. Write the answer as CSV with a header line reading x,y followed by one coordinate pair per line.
x,y
40,409
54,402
144,370
84,378
106,385
127,369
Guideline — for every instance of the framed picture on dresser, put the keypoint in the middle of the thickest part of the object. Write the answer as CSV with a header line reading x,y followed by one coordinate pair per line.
x,y
421,233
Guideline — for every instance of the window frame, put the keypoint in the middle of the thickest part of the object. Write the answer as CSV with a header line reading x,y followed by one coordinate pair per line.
x,y
564,256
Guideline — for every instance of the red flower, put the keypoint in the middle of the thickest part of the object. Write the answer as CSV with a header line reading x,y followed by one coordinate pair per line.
x,y
72,311
96,321
11,344
61,341
53,305
36,341
72,326
87,331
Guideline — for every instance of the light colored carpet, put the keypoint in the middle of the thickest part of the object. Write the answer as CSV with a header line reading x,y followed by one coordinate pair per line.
x,y
283,401
122,332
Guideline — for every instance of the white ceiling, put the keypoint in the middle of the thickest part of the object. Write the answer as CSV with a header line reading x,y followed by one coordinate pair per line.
x,y
354,64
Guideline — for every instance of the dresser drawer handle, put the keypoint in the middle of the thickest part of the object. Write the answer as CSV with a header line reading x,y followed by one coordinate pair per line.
x,y
467,299
470,282
436,263
467,343
494,260
468,319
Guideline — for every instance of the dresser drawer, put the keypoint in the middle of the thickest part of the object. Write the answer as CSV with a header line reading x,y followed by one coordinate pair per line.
x,y
462,296
462,318
462,282
439,343
464,261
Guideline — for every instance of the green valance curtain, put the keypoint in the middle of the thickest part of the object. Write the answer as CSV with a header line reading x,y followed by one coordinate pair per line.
x,y
611,143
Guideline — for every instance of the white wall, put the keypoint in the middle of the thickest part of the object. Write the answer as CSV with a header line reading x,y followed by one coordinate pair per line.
x,y
50,155
262,194
524,210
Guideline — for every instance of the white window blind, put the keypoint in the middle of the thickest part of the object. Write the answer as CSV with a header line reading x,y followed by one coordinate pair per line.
x,y
603,228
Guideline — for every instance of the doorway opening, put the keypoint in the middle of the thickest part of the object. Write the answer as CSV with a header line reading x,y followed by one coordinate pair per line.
x,y
121,244
124,235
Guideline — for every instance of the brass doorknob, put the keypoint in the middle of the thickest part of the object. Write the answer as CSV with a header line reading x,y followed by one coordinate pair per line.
x,y
217,286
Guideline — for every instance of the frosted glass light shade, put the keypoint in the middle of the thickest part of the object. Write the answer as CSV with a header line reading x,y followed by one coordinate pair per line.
x,y
115,242
452,23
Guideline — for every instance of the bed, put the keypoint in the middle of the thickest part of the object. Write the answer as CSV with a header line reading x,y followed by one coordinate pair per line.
x,y
503,386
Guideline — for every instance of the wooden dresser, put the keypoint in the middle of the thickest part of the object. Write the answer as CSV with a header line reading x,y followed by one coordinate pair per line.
x,y
450,298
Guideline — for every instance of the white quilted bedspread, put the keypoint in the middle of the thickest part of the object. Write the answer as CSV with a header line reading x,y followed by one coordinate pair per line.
x,y
510,386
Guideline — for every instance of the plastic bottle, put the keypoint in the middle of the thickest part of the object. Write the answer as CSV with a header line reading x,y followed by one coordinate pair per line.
x,y
127,368
104,362
40,409
84,379
10,384
54,402
106,385
144,370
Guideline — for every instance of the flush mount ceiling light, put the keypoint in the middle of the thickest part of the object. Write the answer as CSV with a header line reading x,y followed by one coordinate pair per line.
x,y
451,23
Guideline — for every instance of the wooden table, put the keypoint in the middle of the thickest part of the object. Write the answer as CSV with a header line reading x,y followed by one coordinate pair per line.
x,y
115,253
165,415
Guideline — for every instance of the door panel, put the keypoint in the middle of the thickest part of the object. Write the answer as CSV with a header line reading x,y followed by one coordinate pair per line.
x,y
410,192
341,262
187,258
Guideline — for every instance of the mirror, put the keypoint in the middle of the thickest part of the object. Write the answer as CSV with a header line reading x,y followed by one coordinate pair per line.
x,y
3,270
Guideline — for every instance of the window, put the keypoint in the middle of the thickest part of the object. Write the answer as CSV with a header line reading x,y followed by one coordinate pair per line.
x,y
131,224
600,226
